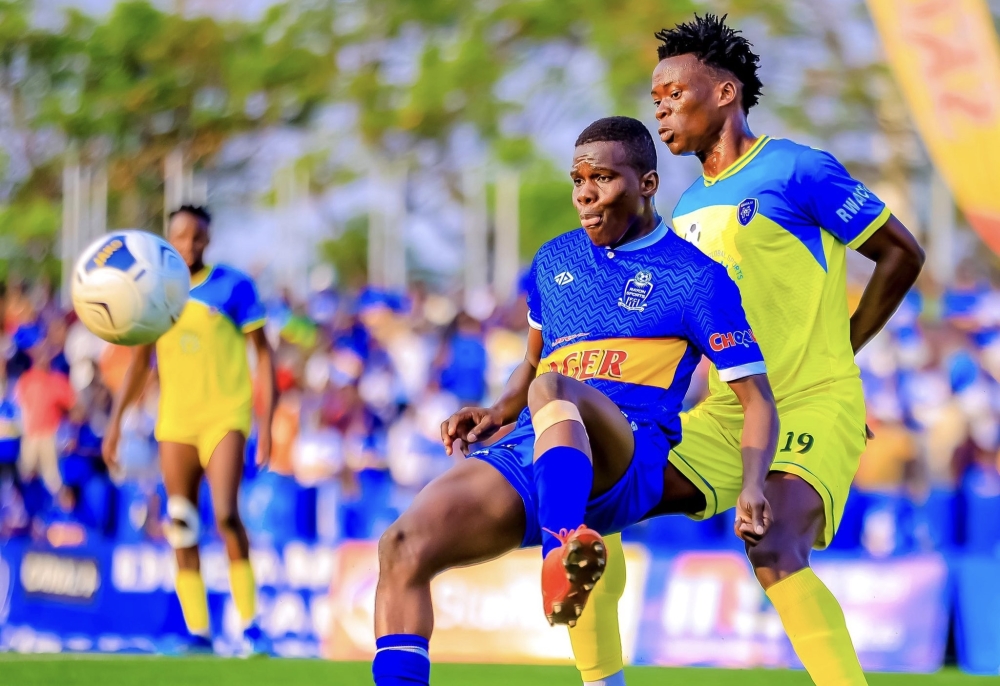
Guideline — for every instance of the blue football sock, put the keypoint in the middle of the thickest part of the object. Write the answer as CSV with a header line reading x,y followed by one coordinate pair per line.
x,y
563,479
401,660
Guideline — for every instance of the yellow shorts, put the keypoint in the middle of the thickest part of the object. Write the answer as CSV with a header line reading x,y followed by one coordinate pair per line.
x,y
204,438
820,441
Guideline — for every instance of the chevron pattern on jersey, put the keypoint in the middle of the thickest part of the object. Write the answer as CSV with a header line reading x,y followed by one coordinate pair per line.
x,y
669,290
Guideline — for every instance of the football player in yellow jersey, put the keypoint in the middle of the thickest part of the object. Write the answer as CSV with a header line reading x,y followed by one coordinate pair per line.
x,y
780,217
204,419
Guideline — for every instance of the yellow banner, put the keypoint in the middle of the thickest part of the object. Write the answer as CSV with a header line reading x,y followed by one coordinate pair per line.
x,y
946,58
486,613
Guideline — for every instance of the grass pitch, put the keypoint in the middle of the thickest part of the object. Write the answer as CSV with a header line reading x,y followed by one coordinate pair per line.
x,y
101,670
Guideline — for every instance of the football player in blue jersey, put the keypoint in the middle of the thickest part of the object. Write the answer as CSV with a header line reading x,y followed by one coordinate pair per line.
x,y
621,311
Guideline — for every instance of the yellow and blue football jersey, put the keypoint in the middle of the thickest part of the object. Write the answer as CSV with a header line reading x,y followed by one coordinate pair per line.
x,y
634,321
205,383
779,219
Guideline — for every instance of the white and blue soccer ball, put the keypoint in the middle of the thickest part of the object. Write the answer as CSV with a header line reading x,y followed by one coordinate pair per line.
x,y
129,287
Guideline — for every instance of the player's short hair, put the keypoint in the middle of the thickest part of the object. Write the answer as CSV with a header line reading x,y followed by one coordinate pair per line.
x,y
631,133
199,212
716,45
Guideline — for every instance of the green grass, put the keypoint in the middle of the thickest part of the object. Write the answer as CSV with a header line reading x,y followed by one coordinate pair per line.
x,y
100,670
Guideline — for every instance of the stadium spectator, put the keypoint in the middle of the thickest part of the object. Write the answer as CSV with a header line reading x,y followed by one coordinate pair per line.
x,y
45,398
365,380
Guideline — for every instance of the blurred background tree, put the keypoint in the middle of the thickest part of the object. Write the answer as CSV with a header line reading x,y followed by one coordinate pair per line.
x,y
433,87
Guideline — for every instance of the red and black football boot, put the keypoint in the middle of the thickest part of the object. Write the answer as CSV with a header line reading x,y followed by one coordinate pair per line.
x,y
569,573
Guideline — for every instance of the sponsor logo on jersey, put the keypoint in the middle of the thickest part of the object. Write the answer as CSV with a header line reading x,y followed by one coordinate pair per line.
x,y
746,211
721,341
637,290
591,364
563,278
693,234
849,210
567,339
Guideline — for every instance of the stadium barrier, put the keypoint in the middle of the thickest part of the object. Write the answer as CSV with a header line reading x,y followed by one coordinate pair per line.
x,y
688,608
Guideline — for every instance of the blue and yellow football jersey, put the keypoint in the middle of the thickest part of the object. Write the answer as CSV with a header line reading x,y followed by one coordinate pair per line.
x,y
779,219
204,375
634,321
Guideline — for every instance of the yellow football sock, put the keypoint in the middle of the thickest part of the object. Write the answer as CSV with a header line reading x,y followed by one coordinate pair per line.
x,y
597,643
244,590
194,604
815,625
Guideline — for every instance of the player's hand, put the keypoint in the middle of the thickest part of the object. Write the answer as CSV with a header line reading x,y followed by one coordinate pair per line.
x,y
468,425
263,448
753,515
109,445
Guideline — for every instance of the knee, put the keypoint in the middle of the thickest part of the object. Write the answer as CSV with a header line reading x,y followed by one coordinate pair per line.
x,y
228,523
546,388
188,558
404,554
776,557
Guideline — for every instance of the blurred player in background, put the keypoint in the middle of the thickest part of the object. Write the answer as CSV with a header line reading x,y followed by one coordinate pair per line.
x,y
621,311
779,216
204,418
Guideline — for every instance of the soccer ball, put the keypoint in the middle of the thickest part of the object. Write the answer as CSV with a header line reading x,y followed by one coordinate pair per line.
x,y
129,287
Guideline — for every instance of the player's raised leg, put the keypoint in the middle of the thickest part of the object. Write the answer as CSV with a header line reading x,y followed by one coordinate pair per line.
x,y
182,477
224,472
596,639
583,445
470,514
811,615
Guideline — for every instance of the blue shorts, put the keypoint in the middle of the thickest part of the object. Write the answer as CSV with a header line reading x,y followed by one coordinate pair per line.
x,y
627,502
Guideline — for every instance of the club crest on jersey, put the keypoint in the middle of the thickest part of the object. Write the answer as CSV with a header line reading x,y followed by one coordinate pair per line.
x,y
563,278
637,290
746,211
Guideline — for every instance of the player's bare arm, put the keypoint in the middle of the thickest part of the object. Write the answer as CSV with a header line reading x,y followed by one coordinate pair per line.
x,y
758,443
898,259
472,424
265,378
135,380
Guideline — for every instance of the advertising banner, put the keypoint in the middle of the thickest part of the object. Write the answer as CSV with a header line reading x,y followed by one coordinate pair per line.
x,y
977,614
695,608
706,608
486,613
108,598
946,59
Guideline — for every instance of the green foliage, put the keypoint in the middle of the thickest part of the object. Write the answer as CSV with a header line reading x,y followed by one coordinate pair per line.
x,y
348,253
26,239
127,88
546,207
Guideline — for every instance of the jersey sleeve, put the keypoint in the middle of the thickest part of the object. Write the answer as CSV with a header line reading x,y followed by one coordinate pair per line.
x,y
834,200
245,306
718,327
534,297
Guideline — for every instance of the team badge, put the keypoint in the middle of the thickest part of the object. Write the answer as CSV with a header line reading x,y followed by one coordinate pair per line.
x,y
746,211
563,278
637,290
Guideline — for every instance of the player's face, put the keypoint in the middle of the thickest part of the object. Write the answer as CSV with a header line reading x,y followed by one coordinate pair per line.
x,y
690,103
189,236
607,191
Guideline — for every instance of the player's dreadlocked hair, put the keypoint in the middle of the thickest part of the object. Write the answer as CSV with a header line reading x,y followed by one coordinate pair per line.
x,y
715,44
198,211
631,133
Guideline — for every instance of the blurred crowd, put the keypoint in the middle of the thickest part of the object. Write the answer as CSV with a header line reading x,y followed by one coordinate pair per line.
x,y
366,378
